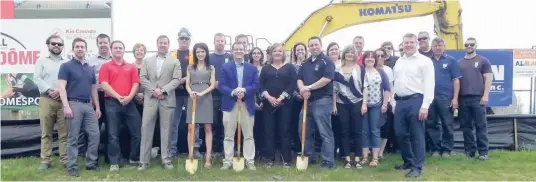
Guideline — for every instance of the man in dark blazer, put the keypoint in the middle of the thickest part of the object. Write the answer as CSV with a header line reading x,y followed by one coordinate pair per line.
x,y
238,84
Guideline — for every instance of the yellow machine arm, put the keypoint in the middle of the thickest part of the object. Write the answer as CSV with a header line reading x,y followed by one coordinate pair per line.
x,y
336,16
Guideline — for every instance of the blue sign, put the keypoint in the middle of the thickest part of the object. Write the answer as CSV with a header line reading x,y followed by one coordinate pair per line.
x,y
503,74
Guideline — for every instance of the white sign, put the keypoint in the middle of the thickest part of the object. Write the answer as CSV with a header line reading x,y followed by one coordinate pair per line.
x,y
525,63
23,40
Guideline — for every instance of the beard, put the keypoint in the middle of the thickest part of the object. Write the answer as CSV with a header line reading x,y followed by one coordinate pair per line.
x,y
54,52
470,52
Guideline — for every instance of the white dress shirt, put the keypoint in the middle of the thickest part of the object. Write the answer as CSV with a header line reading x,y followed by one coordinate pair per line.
x,y
159,63
412,75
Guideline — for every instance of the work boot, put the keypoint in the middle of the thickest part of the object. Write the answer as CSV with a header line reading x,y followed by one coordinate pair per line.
x,y
43,167
226,166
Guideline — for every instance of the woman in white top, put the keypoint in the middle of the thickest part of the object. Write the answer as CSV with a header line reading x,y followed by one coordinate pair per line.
x,y
347,101
387,129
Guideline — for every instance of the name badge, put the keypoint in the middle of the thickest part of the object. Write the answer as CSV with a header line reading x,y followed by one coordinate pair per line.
x,y
476,64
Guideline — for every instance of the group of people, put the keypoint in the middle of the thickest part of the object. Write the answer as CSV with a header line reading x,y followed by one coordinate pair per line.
x,y
355,97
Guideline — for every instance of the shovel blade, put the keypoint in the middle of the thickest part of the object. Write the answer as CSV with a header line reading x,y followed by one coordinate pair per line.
x,y
238,164
191,165
302,162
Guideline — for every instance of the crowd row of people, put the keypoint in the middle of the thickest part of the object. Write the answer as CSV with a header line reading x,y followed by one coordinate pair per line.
x,y
361,96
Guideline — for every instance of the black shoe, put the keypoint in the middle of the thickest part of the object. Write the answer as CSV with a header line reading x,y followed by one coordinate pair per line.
x,y
470,154
327,165
413,173
402,167
73,172
93,168
43,167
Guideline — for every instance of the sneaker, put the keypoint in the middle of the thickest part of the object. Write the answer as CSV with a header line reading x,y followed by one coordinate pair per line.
x,y
168,166
435,154
251,166
269,164
286,165
347,164
43,167
483,157
327,165
357,165
143,167
114,168
226,166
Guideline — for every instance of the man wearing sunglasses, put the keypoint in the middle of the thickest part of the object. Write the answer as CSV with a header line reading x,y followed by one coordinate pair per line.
x,y
474,92
424,44
46,79
182,54
390,58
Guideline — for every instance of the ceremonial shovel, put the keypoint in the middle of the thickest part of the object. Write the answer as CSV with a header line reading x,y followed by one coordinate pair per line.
x,y
238,162
303,161
191,163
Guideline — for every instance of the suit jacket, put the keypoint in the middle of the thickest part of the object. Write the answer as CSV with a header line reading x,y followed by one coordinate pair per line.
x,y
168,80
228,81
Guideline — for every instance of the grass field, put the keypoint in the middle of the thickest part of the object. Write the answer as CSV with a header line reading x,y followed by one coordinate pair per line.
x,y
502,165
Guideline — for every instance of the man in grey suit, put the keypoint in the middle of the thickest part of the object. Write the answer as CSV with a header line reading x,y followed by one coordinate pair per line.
x,y
159,76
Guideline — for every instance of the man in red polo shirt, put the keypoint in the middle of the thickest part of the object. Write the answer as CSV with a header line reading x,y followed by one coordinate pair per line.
x,y
359,43
120,82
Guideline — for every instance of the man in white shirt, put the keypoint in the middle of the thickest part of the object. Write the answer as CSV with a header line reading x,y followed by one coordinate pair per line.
x,y
414,92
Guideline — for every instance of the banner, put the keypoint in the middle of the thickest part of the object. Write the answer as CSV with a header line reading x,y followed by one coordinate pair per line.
x,y
502,68
22,43
525,63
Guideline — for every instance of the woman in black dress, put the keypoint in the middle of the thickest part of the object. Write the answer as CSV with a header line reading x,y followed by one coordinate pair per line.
x,y
277,83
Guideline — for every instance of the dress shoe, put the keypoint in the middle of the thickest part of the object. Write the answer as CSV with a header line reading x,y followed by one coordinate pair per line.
x,y
413,173
73,172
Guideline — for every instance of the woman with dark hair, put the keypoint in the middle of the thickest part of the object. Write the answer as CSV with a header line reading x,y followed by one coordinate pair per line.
x,y
334,53
375,98
298,56
277,82
387,129
257,58
200,81
347,101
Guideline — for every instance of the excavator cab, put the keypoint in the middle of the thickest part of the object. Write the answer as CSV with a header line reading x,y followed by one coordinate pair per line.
x,y
228,43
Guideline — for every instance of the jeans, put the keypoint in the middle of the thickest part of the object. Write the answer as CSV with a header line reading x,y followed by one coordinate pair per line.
x,y
319,114
83,116
473,115
351,125
182,101
371,127
410,130
440,125
117,114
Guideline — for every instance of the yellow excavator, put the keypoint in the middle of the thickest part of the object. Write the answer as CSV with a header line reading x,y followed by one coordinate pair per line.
x,y
343,14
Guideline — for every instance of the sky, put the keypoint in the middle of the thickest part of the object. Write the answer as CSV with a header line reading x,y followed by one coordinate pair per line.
x,y
497,24
492,22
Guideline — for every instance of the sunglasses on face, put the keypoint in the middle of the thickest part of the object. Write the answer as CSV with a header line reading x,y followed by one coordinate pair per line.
x,y
422,39
56,44
380,56
388,48
184,38
469,45
400,50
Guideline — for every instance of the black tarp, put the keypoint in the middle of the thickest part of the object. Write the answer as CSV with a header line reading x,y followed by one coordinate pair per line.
x,y
22,138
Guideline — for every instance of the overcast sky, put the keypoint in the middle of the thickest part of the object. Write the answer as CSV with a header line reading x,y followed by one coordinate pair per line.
x,y
492,22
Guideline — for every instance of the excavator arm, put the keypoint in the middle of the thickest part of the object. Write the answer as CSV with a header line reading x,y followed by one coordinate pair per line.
x,y
336,16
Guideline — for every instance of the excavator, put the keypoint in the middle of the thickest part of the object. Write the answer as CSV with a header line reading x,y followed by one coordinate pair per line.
x,y
346,13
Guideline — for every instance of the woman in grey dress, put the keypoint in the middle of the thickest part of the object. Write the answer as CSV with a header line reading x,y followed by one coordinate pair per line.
x,y
200,81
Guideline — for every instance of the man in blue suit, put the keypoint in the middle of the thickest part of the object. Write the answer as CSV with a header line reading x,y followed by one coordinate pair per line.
x,y
238,84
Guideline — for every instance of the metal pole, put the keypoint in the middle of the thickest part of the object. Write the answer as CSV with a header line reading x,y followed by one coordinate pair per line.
x,y
112,20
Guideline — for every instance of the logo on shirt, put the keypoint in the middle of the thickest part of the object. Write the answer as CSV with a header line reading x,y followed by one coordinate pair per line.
x,y
226,60
316,67
445,65
476,64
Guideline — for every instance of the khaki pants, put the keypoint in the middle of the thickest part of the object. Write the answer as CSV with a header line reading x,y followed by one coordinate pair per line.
x,y
51,112
230,120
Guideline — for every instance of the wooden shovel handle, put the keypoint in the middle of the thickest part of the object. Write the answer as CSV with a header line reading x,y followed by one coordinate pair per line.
x,y
239,134
194,108
304,125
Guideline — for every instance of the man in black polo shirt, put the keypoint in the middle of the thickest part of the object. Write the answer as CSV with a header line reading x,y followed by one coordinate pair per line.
x,y
424,44
77,87
314,83
474,91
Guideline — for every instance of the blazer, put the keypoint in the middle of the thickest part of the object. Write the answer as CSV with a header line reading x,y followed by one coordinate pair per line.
x,y
168,80
228,81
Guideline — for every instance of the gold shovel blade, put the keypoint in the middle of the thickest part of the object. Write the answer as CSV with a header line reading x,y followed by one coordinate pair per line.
x,y
302,162
191,165
238,164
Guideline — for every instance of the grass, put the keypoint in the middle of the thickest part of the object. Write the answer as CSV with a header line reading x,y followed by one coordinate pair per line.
x,y
502,165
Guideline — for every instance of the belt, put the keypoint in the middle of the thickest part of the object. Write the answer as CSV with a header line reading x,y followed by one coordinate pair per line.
x,y
79,100
407,97
197,83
